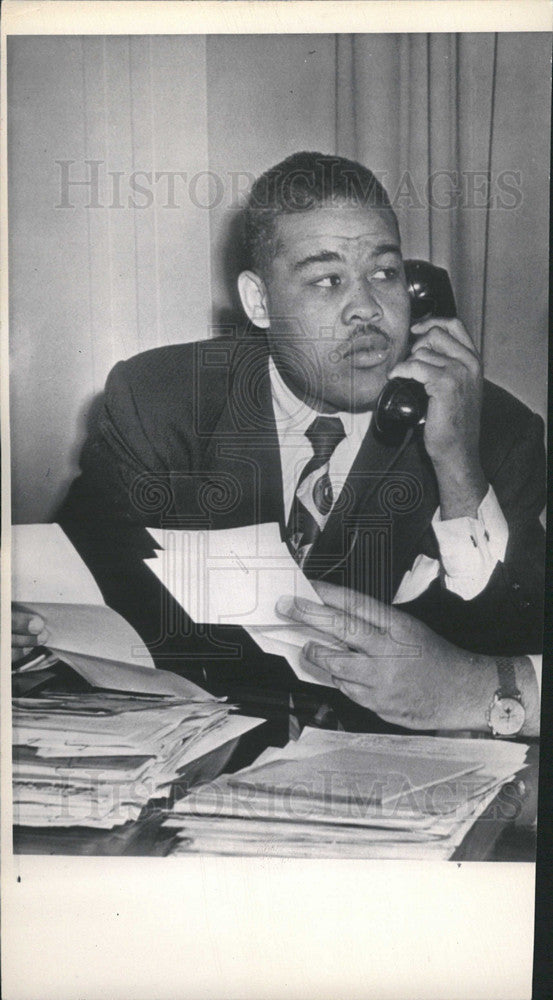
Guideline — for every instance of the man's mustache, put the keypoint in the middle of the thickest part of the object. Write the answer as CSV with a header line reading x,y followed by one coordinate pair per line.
x,y
366,330
365,337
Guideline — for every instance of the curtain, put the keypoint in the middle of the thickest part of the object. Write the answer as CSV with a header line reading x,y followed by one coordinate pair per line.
x,y
167,132
470,112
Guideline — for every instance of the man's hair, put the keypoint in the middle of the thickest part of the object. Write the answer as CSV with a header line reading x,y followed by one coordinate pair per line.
x,y
300,183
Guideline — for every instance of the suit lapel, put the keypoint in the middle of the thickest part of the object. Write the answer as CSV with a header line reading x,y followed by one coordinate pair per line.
x,y
243,450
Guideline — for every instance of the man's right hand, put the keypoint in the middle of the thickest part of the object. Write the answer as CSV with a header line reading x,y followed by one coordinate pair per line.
x,y
27,632
394,665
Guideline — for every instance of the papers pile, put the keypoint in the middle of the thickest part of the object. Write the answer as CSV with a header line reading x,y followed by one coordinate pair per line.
x,y
235,576
94,758
335,794
97,730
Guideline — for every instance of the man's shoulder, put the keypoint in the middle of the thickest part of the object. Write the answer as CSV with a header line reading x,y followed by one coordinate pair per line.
x,y
176,361
505,419
498,403
178,385
165,377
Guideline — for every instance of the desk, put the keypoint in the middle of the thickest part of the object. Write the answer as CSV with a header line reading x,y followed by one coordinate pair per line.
x,y
505,832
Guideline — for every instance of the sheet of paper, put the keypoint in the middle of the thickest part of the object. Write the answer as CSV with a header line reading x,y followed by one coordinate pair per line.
x,y
237,831
272,644
250,542
133,678
91,630
232,576
220,798
288,641
342,774
235,726
46,567
488,752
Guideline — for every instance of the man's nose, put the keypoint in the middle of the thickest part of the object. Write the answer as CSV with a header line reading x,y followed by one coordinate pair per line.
x,y
362,305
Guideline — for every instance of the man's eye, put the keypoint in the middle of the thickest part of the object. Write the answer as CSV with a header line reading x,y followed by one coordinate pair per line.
x,y
329,281
386,273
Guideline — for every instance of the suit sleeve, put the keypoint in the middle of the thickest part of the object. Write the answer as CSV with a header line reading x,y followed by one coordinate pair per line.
x,y
506,617
100,514
121,467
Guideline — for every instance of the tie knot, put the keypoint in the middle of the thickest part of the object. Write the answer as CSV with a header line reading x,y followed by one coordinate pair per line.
x,y
324,435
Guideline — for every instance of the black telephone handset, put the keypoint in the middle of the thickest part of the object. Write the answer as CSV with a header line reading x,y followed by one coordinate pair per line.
x,y
403,401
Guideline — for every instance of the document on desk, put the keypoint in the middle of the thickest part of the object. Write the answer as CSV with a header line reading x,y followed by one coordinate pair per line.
x,y
97,731
46,568
50,579
336,794
95,757
76,764
374,776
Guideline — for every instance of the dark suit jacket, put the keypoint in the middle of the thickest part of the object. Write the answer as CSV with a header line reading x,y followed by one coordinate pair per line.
x,y
187,438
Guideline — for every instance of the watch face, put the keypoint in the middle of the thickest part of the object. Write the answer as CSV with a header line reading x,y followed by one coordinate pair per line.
x,y
507,716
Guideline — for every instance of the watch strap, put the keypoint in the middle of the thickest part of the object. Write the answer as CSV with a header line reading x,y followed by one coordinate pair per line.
x,y
507,678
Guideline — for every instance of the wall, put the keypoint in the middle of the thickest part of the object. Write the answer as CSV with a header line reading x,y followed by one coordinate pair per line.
x,y
90,285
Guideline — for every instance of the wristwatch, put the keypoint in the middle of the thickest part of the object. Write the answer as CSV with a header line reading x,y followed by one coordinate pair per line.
x,y
506,714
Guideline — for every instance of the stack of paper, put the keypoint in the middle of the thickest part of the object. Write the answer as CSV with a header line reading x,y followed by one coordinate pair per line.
x,y
97,730
335,794
94,758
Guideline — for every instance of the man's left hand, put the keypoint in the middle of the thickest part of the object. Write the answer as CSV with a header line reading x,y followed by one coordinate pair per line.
x,y
445,360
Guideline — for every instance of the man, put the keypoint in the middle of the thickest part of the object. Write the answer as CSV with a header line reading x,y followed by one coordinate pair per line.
x,y
229,432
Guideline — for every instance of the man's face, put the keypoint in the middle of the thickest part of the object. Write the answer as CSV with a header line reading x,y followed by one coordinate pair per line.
x,y
338,304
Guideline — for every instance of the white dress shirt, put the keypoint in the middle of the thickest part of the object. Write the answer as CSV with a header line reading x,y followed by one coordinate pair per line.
x,y
537,665
469,547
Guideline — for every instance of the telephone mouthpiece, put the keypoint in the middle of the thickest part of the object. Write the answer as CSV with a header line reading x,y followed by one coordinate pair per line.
x,y
401,404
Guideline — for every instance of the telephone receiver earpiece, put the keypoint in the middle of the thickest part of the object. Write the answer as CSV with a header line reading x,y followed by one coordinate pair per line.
x,y
403,401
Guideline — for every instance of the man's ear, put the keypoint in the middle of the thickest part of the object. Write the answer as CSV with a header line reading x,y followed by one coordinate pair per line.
x,y
253,295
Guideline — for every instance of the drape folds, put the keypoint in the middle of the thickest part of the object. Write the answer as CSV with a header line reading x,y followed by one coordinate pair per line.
x,y
459,126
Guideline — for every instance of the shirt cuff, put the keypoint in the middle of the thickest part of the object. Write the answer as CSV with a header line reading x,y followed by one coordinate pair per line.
x,y
471,547
537,665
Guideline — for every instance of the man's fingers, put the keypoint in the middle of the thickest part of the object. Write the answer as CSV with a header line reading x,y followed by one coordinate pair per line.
x,y
376,613
317,672
24,640
361,623
28,631
18,654
453,326
430,357
345,627
20,641
24,623
340,670
306,612
436,378
319,654
441,342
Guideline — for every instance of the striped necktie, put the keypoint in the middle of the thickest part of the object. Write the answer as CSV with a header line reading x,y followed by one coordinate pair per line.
x,y
313,498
